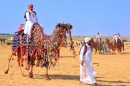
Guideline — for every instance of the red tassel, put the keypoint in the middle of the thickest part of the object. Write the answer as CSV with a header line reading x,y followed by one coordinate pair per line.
x,y
18,60
21,65
27,67
12,58
55,59
23,59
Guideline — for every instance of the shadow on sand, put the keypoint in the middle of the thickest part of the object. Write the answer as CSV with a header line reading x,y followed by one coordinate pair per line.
x,y
123,53
76,77
66,56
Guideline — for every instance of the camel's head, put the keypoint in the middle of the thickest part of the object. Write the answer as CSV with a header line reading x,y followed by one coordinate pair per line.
x,y
68,27
63,28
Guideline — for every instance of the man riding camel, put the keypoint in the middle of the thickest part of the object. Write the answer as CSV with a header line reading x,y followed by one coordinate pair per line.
x,y
119,36
115,37
98,38
31,18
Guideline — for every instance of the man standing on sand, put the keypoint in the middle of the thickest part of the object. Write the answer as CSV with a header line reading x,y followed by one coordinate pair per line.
x,y
86,69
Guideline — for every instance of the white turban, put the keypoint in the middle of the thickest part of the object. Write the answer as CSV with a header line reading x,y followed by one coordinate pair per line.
x,y
87,39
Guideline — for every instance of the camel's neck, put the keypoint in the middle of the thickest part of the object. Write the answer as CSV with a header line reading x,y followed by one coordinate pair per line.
x,y
57,38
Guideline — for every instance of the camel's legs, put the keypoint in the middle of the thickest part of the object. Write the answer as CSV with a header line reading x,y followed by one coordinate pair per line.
x,y
6,72
31,73
46,72
19,58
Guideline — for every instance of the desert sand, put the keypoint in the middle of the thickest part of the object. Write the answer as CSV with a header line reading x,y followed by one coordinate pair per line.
x,y
113,70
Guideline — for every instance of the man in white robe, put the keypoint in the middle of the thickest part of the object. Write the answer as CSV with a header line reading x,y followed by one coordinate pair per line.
x,y
31,18
86,69
98,38
115,37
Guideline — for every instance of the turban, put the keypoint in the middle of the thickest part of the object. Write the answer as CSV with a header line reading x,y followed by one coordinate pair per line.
x,y
87,39
30,6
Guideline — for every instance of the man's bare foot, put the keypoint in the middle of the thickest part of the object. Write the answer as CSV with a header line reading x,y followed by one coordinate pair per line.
x,y
29,36
95,84
80,82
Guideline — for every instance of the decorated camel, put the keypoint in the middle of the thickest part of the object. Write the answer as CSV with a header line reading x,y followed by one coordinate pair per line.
x,y
113,46
41,49
96,46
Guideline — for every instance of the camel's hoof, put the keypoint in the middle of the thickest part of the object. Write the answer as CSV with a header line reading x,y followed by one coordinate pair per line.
x,y
6,72
30,75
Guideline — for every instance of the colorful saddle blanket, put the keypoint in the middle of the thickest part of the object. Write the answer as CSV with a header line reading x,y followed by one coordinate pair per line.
x,y
16,42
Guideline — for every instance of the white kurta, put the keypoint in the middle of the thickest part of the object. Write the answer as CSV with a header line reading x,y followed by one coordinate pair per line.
x,y
86,71
120,38
115,38
31,18
98,38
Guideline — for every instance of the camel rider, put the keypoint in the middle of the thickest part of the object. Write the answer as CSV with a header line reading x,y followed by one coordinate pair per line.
x,y
31,18
119,36
115,37
98,37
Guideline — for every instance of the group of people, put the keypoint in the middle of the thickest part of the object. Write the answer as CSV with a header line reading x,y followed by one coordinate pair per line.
x,y
86,69
116,37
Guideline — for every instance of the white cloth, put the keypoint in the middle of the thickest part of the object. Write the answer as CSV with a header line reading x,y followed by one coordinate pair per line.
x,y
31,18
115,38
120,37
86,71
98,38
87,39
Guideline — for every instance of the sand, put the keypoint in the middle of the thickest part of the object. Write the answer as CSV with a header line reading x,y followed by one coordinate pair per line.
x,y
112,71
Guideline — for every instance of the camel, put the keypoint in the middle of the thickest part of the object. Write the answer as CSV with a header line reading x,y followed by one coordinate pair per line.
x,y
119,46
41,49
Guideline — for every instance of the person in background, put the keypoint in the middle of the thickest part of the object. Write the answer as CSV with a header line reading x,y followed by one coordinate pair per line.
x,y
119,36
98,38
103,47
115,37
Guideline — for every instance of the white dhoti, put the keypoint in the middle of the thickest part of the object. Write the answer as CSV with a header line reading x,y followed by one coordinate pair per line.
x,y
98,40
28,27
116,39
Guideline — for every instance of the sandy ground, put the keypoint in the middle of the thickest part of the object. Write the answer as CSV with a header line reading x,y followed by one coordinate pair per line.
x,y
112,71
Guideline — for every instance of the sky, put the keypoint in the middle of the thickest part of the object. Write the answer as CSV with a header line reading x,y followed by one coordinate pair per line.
x,y
86,16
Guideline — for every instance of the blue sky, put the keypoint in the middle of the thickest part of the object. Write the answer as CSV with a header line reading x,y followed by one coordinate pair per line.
x,y
86,16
